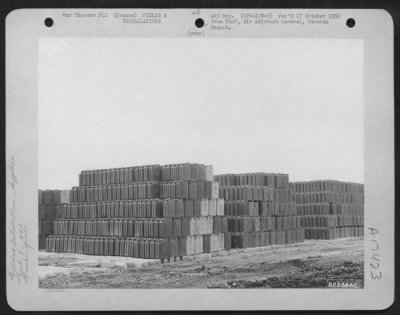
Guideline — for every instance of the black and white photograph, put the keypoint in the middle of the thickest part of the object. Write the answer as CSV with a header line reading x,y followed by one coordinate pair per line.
x,y
219,172
221,158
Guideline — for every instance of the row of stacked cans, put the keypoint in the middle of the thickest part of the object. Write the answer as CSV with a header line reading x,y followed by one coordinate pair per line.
x,y
107,246
54,196
193,208
120,175
187,171
144,190
334,232
259,208
159,227
254,179
331,221
50,211
116,227
327,185
256,193
330,208
189,190
259,193
213,243
265,238
328,196
257,224
148,248
347,208
147,208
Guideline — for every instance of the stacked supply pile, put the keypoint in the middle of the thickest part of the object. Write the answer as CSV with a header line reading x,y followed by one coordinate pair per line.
x,y
260,210
146,212
330,209
50,209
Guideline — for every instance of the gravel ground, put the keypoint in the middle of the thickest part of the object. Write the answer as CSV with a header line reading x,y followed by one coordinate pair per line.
x,y
307,265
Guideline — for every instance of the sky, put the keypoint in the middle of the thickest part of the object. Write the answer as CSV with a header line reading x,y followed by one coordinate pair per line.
x,y
290,106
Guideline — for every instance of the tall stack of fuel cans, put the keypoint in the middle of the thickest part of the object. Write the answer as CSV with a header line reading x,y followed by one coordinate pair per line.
x,y
260,210
330,209
50,208
153,211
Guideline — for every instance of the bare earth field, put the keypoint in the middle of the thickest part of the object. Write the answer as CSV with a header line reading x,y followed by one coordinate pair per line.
x,y
306,265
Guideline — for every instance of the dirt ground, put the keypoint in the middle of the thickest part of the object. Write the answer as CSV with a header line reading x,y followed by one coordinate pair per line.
x,y
307,265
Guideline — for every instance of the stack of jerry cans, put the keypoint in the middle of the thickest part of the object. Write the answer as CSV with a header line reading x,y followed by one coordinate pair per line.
x,y
258,205
51,206
147,211
329,209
